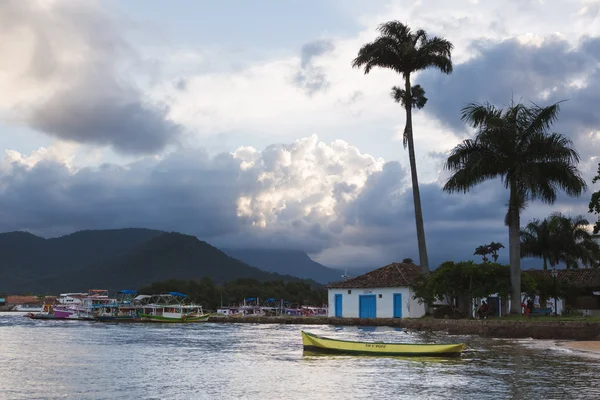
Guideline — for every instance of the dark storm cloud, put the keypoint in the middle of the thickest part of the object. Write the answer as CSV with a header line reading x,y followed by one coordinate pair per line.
x,y
94,112
79,53
310,77
171,195
455,224
193,193
511,69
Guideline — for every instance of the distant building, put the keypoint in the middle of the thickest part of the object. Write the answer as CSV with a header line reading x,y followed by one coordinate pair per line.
x,y
587,280
383,293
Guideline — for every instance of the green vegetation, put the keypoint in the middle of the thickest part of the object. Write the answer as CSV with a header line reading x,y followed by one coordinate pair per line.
x,y
595,202
560,239
459,282
209,294
464,280
516,146
406,52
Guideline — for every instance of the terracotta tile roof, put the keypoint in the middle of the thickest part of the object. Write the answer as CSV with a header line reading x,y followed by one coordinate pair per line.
x,y
582,278
393,275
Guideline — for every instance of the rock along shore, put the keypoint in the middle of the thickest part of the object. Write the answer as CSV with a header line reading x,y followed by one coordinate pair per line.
x,y
499,328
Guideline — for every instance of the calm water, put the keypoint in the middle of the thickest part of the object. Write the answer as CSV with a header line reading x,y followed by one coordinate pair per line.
x,y
88,360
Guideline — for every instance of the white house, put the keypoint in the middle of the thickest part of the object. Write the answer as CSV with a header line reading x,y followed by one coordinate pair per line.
x,y
383,293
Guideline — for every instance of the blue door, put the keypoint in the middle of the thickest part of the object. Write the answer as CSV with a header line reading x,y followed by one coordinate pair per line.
x,y
397,305
367,306
338,305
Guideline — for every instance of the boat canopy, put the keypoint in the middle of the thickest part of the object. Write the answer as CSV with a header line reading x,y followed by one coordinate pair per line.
x,y
128,291
177,294
142,297
250,298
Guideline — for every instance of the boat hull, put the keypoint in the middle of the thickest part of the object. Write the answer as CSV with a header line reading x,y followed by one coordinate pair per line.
x,y
61,314
189,319
41,316
116,318
319,344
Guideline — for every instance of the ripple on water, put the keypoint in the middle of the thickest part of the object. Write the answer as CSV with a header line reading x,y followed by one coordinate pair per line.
x,y
75,360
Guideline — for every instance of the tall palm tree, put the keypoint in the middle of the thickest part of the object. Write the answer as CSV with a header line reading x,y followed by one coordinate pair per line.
x,y
560,239
576,244
537,240
516,146
400,49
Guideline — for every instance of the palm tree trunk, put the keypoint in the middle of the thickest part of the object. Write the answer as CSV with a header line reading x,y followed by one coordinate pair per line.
x,y
514,244
423,259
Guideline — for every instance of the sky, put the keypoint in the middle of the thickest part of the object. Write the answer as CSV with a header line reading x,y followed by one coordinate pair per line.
x,y
243,123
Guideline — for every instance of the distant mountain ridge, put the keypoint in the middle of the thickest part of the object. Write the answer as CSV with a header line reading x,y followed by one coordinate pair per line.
x,y
291,262
118,259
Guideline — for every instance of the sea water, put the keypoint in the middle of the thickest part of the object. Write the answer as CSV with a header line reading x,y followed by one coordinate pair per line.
x,y
92,360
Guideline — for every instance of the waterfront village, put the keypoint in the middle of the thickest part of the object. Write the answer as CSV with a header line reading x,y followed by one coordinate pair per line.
x,y
394,291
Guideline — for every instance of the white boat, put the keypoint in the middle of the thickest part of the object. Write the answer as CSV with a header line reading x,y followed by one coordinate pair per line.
x,y
171,307
28,308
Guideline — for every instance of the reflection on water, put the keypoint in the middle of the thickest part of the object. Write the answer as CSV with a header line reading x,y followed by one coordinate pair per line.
x,y
89,360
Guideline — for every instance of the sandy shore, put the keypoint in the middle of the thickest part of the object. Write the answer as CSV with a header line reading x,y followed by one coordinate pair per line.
x,y
590,346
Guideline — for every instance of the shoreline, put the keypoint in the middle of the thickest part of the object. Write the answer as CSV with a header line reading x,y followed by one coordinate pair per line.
x,y
508,329
589,346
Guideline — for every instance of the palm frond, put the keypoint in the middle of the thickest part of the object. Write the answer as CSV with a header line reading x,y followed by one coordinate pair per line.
x,y
540,119
478,115
435,53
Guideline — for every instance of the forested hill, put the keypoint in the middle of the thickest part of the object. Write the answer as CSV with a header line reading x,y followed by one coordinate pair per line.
x,y
115,260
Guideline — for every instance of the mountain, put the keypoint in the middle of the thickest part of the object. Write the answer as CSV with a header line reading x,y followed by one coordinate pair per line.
x,y
290,262
25,258
114,260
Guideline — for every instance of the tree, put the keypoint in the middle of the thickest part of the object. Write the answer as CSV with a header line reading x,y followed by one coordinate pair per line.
x,y
516,146
407,261
536,241
595,202
560,239
400,49
482,251
494,247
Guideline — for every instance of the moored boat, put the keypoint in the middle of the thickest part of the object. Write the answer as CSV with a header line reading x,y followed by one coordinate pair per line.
x,y
171,307
316,343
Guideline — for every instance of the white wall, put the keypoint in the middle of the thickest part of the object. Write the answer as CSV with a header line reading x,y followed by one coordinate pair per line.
x,y
385,305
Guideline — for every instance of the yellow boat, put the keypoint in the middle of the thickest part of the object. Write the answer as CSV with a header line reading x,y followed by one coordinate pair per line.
x,y
321,344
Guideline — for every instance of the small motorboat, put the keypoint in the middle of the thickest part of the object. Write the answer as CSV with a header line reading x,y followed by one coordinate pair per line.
x,y
315,343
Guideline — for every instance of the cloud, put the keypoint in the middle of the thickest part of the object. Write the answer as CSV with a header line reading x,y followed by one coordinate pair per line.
x,y
71,73
544,72
284,195
66,67
548,71
311,77
344,207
